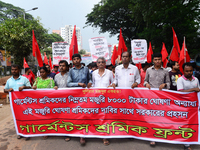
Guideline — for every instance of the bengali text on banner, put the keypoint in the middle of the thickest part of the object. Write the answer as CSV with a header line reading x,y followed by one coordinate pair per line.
x,y
162,116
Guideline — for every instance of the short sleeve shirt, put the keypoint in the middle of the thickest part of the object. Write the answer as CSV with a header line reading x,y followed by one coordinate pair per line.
x,y
185,84
16,83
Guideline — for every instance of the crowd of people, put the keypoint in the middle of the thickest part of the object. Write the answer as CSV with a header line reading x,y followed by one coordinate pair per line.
x,y
97,74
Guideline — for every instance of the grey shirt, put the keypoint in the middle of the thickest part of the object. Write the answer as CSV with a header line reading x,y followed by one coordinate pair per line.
x,y
61,81
157,77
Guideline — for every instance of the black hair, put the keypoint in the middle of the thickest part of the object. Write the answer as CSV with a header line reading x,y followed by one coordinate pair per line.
x,y
126,52
44,68
64,61
15,66
56,66
156,55
145,64
187,64
83,64
76,55
173,63
47,65
93,64
26,69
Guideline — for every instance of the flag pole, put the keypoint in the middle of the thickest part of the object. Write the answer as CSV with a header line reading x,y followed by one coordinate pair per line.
x,y
184,51
169,56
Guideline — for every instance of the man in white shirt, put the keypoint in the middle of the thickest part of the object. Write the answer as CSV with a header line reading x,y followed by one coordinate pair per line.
x,y
188,83
126,75
102,77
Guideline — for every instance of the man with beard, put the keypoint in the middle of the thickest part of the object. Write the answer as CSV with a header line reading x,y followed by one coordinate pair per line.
x,y
188,83
49,73
174,74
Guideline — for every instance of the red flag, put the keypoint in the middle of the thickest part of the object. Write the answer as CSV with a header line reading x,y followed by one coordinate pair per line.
x,y
114,56
73,49
50,64
139,66
174,56
121,46
25,63
36,50
45,59
184,56
149,53
164,55
26,66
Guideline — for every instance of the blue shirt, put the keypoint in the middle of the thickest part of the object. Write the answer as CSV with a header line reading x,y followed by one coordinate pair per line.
x,y
76,76
16,83
51,75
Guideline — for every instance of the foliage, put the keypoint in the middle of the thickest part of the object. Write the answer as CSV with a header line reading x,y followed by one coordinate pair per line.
x,y
8,11
149,19
16,37
82,51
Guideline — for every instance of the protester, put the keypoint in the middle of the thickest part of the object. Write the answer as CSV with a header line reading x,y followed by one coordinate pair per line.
x,y
83,64
102,78
113,70
157,77
79,77
168,67
17,82
28,75
188,83
145,66
61,78
126,75
174,74
93,66
109,67
49,73
55,69
43,81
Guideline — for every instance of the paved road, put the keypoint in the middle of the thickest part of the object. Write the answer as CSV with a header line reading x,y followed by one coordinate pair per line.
x,y
8,140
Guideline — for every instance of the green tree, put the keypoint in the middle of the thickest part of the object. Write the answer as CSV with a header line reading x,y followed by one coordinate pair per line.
x,y
149,19
8,11
82,51
16,37
50,38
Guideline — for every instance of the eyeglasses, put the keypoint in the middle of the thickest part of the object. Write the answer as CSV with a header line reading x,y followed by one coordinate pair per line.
x,y
101,62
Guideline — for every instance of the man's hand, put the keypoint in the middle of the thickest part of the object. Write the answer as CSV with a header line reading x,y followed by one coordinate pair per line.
x,y
113,85
10,90
55,87
196,89
134,85
34,87
148,86
82,85
89,85
21,88
162,86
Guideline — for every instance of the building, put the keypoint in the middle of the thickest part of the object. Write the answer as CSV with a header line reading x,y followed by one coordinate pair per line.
x,y
56,31
67,32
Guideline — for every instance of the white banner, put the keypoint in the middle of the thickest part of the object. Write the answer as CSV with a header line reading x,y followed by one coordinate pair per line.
x,y
60,51
99,48
139,51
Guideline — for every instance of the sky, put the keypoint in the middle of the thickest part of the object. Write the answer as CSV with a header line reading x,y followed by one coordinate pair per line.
x,y
58,13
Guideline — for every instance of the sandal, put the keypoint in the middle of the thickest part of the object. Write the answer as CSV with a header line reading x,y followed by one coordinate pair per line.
x,y
153,144
67,139
45,137
187,148
106,142
82,141
27,138
19,137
